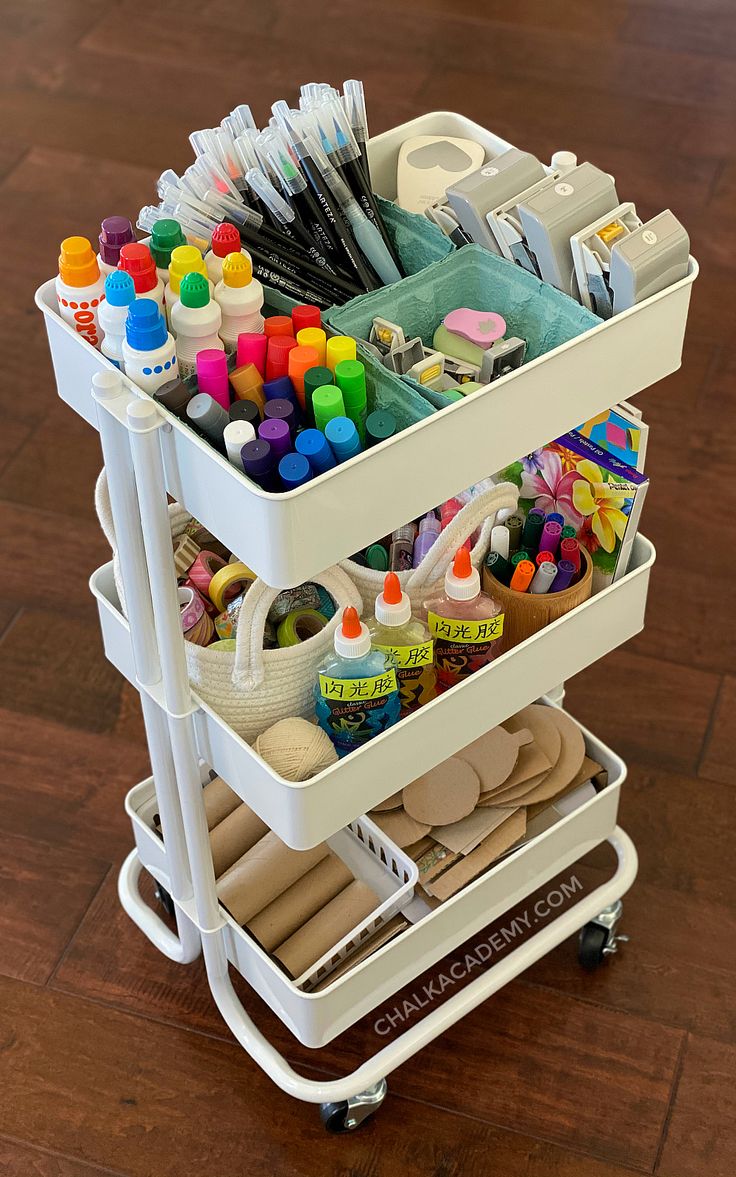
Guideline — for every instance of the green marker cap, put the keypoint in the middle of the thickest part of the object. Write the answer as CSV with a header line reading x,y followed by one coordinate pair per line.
x,y
377,557
518,557
568,532
350,379
314,378
499,567
194,290
379,425
165,236
327,403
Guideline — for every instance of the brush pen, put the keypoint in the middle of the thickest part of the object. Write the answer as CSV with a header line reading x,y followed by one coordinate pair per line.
x,y
284,214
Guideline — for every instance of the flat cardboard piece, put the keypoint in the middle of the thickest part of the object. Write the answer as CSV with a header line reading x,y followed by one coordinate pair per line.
x,y
230,840
415,850
395,801
380,937
262,874
299,902
512,796
588,770
472,865
219,801
434,861
400,828
494,755
547,740
447,793
531,762
568,765
463,836
327,927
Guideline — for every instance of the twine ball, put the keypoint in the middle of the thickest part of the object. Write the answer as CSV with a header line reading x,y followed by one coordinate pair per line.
x,y
296,749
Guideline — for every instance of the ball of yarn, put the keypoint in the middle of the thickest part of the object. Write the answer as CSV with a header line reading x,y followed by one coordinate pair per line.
x,y
296,749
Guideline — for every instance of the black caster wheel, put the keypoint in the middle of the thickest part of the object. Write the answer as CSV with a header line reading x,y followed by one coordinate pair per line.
x,y
591,944
163,897
350,1114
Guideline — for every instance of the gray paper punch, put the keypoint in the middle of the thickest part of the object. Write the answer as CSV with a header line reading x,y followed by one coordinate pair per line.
x,y
506,227
473,197
591,255
648,260
550,216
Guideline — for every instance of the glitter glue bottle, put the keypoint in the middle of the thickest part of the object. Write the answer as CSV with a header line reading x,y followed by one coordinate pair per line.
x,y
356,695
465,622
407,642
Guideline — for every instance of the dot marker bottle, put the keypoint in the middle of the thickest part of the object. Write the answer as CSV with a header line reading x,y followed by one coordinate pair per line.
x,y
406,640
195,319
225,240
115,233
240,298
166,236
185,259
149,353
80,288
136,260
356,694
113,314
465,622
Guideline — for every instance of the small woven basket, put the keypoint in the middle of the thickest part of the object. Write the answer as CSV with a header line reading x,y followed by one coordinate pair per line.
x,y
527,613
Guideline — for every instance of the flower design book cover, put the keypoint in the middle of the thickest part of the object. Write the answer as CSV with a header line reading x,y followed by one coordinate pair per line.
x,y
598,495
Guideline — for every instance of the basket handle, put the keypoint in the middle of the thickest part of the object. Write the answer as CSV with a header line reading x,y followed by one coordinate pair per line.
x,y
249,669
504,496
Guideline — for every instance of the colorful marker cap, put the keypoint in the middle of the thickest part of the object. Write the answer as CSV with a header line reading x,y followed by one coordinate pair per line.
x,y
350,379
119,289
565,573
136,260
376,557
252,350
278,436
316,338
313,444
194,290
314,378
116,232
277,357
212,375
185,259
166,236
145,326
245,410
281,409
78,265
327,403
523,576
339,348
499,567
237,270
278,325
379,426
225,240
343,438
300,360
305,316
258,458
294,470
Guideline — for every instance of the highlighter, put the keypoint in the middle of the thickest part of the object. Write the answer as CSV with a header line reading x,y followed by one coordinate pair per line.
x,y
327,403
314,446
350,379
313,337
339,347
343,438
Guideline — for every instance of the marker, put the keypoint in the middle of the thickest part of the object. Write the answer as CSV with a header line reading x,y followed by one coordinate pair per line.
x,y
327,403
522,578
343,438
429,530
519,557
149,352
212,375
314,378
350,379
532,532
565,573
556,517
379,426
236,435
136,260
569,532
80,288
252,350
116,232
113,313
300,360
550,538
313,445
543,577
278,436
175,396
305,317
537,511
316,338
339,348
166,236
210,418
246,411
376,557
570,550
247,384
294,470
278,325
277,357
500,540
515,526
499,567
281,409
544,556
259,463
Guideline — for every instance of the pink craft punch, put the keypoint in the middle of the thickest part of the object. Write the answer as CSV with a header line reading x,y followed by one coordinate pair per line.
x,y
482,328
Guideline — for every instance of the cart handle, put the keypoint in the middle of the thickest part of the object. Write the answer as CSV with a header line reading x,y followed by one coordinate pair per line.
x,y
182,946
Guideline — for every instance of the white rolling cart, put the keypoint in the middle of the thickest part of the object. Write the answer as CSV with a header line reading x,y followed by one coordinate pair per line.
x,y
147,452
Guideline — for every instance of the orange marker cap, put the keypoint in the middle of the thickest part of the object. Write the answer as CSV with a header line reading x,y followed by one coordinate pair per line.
x,y
278,325
301,359
77,262
523,575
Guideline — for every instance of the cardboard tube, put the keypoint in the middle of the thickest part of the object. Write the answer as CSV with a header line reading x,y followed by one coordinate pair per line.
x,y
229,840
219,801
300,902
327,927
262,874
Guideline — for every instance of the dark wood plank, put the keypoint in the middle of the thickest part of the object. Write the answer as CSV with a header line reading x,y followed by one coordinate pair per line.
x,y
700,1137
45,892
39,473
718,762
67,564
22,1160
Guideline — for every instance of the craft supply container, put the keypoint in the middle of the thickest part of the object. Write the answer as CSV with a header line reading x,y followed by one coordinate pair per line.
x,y
525,614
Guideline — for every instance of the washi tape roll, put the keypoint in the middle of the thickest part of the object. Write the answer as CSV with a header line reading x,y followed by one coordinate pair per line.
x,y
224,645
203,569
191,607
201,634
185,553
229,581
299,626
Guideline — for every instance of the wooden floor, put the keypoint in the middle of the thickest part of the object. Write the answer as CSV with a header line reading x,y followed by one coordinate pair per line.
x,y
114,1061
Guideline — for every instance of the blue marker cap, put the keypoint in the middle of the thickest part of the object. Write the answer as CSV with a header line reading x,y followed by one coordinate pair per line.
x,y
555,517
343,437
119,289
145,326
313,444
294,470
280,389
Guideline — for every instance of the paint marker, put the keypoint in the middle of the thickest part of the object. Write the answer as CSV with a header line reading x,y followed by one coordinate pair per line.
x,y
281,409
313,445
212,375
113,313
541,557
500,540
252,348
556,517
343,437
136,260
236,435
246,411
277,357
379,426
278,436
314,378
519,557
210,418
80,288
350,379
569,548
327,403
149,352
259,463
300,360
532,532
175,396
305,318
543,577
565,573
339,348
313,337
247,384
550,538
294,470
515,526
278,325
115,233
522,577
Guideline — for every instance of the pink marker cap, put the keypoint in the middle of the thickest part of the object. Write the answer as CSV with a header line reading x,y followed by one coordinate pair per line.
x,y
252,350
212,375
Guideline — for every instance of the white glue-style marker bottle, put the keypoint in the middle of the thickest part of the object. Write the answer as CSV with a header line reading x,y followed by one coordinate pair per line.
x,y
195,320
240,298
80,288
225,240
119,294
149,352
136,260
166,236
115,232
185,259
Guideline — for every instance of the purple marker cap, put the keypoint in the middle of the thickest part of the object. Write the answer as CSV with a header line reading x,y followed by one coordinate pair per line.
x,y
281,410
537,511
565,573
278,436
116,232
259,463
551,533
